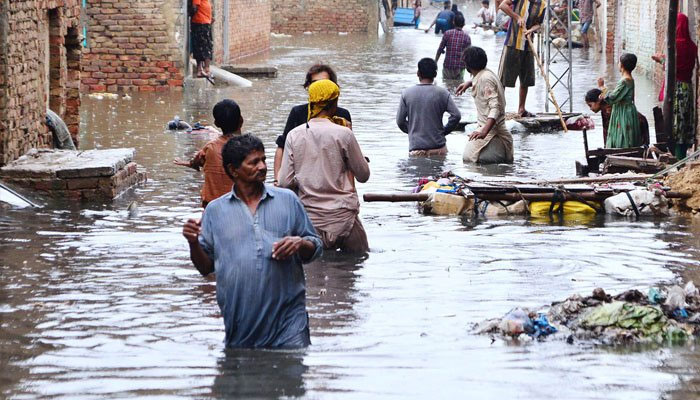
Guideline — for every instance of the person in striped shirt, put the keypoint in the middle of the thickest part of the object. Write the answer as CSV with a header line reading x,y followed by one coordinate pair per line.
x,y
517,60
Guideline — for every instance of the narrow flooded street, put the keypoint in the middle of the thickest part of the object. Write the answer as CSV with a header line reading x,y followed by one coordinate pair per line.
x,y
94,303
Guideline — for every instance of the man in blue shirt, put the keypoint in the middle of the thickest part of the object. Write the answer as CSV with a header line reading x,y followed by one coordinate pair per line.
x,y
256,239
444,21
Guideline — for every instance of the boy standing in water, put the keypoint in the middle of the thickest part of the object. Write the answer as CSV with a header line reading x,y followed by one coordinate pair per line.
x,y
227,116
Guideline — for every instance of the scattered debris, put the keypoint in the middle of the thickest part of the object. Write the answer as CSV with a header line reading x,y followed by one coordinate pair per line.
x,y
663,316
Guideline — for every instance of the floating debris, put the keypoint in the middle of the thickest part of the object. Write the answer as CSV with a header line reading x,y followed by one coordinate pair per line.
x,y
663,316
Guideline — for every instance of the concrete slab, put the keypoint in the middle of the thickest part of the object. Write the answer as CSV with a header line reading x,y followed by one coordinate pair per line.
x,y
66,164
252,70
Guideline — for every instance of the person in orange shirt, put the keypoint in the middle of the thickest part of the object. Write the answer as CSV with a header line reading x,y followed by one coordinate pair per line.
x,y
200,29
227,116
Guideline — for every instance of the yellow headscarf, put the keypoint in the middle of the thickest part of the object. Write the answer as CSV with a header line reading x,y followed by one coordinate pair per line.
x,y
321,93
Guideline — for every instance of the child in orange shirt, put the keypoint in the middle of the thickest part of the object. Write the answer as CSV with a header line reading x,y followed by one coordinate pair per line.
x,y
227,116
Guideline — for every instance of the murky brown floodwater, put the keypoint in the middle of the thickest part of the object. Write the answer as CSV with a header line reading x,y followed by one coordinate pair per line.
x,y
94,304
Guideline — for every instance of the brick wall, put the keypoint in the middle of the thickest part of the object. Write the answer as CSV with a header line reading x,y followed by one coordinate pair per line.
x,y
247,25
39,66
249,28
133,46
610,15
297,16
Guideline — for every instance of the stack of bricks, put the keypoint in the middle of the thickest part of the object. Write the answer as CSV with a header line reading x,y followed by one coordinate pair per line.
x,y
611,10
323,16
85,175
132,46
38,67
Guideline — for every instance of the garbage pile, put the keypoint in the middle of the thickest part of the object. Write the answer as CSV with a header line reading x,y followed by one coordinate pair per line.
x,y
661,316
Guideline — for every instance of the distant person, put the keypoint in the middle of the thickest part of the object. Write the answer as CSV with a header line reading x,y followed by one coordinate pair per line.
x,y
321,161
417,10
623,130
200,30
255,239
491,142
595,103
517,61
453,44
227,116
299,114
484,14
456,12
684,110
421,110
587,8
444,21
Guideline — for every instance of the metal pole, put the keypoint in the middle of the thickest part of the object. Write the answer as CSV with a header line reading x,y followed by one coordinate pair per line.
x,y
570,82
670,68
547,48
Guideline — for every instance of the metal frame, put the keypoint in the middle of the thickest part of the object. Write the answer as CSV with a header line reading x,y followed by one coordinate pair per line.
x,y
556,78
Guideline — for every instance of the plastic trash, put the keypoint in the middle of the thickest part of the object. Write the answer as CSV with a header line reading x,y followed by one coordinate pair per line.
x,y
675,298
542,327
690,289
516,322
654,296
648,320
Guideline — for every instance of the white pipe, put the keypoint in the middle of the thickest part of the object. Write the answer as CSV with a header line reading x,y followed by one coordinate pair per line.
x,y
229,78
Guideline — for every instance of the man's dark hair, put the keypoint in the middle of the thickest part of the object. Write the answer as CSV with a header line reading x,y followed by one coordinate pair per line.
x,y
227,116
427,68
628,61
315,69
593,95
485,2
447,5
459,21
237,149
475,58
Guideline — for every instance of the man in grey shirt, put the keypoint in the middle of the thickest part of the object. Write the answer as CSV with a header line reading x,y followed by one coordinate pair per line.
x,y
256,238
421,110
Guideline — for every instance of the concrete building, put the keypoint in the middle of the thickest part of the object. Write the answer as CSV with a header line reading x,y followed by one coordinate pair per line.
x,y
39,68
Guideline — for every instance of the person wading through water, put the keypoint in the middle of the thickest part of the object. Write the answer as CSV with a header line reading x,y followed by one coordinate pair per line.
x,y
420,113
491,142
256,238
227,117
299,114
321,161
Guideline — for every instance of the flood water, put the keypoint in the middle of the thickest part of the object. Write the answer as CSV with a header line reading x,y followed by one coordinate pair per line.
x,y
95,304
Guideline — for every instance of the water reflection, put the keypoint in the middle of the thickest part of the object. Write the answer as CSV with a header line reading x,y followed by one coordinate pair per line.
x,y
259,374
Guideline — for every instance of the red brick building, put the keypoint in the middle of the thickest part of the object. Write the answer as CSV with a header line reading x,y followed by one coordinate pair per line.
x,y
39,68
325,16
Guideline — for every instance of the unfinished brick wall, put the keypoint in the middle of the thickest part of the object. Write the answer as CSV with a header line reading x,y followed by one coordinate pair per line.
x,y
324,16
247,25
133,46
39,67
